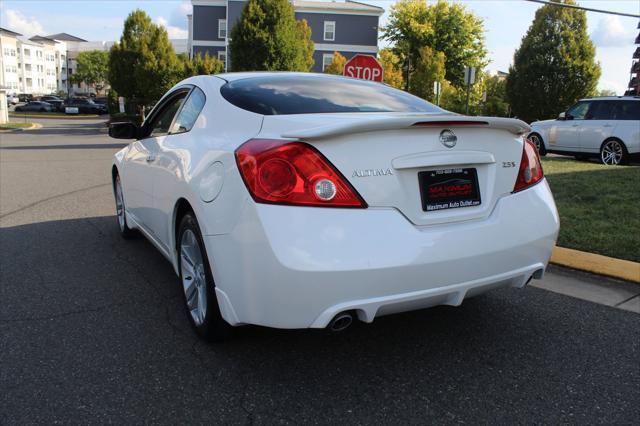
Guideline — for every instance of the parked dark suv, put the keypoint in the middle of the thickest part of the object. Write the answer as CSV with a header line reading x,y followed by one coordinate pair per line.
x,y
85,106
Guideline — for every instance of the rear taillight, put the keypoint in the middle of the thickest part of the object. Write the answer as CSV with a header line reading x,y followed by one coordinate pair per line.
x,y
294,173
530,171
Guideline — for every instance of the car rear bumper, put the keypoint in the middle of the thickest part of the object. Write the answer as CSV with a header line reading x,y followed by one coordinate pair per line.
x,y
297,267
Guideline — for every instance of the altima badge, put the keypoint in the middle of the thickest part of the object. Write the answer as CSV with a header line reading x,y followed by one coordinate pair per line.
x,y
448,138
372,172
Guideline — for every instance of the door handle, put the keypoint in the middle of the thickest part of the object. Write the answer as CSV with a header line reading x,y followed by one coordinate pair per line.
x,y
151,158
607,125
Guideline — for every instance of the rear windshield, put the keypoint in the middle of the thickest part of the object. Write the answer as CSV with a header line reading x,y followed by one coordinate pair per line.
x,y
301,94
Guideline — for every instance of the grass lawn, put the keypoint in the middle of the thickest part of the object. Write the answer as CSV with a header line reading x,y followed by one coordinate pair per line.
x,y
599,206
7,126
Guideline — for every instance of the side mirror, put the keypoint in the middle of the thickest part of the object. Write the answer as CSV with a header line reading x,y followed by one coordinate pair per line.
x,y
562,116
123,130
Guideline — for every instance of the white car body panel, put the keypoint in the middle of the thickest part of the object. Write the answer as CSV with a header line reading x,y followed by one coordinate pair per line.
x,y
297,267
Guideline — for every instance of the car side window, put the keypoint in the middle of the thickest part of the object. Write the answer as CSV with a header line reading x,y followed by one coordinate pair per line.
x,y
579,110
161,123
627,110
600,110
189,112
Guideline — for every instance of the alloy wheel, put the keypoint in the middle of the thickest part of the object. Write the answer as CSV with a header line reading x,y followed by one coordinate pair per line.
x,y
612,153
120,205
536,141
194,279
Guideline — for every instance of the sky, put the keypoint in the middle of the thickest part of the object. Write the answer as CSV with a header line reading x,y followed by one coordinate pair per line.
x,y
505,23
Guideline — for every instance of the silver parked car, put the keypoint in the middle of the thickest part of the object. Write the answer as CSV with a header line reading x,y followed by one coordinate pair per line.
x,y
37,106
606,127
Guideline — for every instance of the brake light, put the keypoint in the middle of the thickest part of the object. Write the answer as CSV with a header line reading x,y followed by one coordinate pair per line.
x,y
293,173
449,123
530,171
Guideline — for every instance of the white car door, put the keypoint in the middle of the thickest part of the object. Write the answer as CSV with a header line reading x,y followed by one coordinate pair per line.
x,y
597,126
174,153
141,163
137,184
564,135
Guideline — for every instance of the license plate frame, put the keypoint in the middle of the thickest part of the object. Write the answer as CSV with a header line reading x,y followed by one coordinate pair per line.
x,y
451,188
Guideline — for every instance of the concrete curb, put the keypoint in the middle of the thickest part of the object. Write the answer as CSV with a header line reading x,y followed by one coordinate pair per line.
x,y
23,129
597,264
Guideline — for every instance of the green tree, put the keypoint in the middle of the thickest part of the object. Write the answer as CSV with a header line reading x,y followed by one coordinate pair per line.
x,y
606,92
92,68
445,27
199,65
554,65
143,65
430,68
392,68
268,38
308,47
496,104
337,64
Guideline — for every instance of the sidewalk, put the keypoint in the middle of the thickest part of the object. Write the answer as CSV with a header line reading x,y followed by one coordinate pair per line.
x,y
594,288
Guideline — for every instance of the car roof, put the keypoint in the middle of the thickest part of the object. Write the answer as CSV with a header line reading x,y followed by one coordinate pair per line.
x,y
233,76
612,98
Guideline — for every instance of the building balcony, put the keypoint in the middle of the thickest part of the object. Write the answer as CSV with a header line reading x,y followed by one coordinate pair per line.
x,y
635,67
636,54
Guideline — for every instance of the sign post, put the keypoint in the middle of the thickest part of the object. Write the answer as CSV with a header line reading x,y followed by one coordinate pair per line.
x,y
469,79
365,67
436,91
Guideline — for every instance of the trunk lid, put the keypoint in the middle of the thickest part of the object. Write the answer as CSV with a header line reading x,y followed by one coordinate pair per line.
x,y
382,154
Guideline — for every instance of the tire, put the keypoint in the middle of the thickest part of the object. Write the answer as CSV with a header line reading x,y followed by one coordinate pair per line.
x,y
613,153
198,287
537,141
121,217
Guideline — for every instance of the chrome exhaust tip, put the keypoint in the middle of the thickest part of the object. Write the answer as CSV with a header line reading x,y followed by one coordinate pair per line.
x,y
341,322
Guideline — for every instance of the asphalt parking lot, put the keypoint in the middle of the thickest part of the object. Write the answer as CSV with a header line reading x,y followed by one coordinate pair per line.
x,y
92,330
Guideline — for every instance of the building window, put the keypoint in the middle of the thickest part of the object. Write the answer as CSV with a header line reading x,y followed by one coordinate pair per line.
x,y
27,52
222,28
222,55
327,58
329,30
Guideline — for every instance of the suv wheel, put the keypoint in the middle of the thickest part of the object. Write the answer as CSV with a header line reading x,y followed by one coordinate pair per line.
x,y
537,141
613,153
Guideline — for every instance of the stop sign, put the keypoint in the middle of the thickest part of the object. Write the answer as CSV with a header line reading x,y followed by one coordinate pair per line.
x,y
365,67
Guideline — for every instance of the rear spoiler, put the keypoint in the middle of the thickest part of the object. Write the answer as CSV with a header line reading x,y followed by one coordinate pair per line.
x,y
373,123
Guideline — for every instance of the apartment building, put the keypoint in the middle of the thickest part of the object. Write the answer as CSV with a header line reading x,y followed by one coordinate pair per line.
x,y
347,27
42,65
35,65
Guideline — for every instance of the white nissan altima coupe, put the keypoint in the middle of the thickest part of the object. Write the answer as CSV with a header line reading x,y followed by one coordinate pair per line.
x,y
295,200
